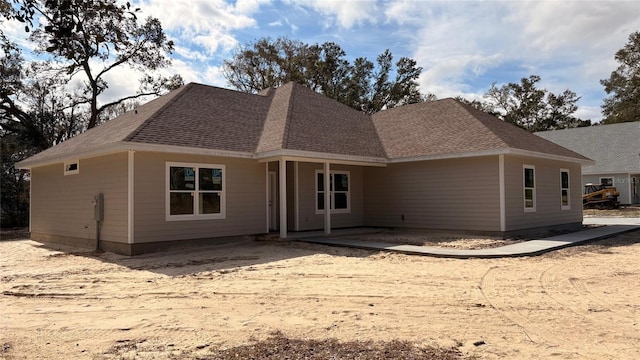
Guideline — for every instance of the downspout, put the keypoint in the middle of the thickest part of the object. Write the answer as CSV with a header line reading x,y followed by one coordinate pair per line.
x,y
98,215
97,235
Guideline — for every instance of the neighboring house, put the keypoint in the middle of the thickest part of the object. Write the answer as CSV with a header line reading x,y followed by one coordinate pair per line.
x,y
203,162
615,149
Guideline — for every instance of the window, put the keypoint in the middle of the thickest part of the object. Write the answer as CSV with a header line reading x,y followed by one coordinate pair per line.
x,y
564,190
339,197
72,167
606,181
195,192
529,188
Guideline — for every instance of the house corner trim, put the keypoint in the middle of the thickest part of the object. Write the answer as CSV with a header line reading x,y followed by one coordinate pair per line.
x,y
130,195
503,213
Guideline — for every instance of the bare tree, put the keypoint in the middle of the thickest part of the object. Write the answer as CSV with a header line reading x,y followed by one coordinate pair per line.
x,y
362,85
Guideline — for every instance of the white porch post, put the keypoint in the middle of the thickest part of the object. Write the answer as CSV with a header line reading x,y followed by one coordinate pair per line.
x,y
503,211
296,198
282,179
269,207
327,198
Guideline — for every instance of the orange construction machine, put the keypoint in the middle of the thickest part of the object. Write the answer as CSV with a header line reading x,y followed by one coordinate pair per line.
x,y
600,196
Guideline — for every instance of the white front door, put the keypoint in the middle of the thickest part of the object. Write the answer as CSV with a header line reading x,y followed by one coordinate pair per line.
x,y
273,201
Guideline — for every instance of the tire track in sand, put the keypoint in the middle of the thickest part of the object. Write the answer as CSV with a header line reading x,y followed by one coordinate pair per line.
x,y
491,294
543,320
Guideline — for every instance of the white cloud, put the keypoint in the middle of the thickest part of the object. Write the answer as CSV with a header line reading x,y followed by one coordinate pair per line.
x,y
454,43
213,76
122,82
279,23
570,44
15,32
189,71
205,23
450,78
342,12
189,53
403,12
203,31
463,46
592,113
571,26
249,7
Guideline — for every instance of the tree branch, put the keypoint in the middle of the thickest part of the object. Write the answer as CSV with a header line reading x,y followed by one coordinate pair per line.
x,y
126,98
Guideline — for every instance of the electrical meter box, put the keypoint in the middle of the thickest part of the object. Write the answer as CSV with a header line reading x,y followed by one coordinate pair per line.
x,y
98,207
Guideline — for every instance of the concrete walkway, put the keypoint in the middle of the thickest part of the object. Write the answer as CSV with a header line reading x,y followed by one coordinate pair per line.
x,y
525,248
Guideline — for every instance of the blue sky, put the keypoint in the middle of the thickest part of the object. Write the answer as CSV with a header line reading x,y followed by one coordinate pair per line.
x,y
462,46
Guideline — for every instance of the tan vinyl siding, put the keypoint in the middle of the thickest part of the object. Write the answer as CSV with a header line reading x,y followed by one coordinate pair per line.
x,y
457,194
547,187
61,206
245,199
308,218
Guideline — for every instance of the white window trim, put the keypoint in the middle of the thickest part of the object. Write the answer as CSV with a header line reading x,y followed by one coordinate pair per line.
x,y
613,180
316,192
71,172
568,206
524,188
195,215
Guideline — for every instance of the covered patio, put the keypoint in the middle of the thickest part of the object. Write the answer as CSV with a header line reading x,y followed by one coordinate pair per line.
x,y
295,190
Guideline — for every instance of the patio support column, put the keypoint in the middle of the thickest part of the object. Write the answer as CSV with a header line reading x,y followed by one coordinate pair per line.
x,y
282,180
503,210
327,198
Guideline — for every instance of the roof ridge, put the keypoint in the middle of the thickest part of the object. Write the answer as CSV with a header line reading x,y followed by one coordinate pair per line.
x,y
272,111
470,109
179,93
500,134
594,127
287,121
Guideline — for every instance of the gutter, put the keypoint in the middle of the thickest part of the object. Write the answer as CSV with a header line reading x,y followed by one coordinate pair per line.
x,y
301,155
124,146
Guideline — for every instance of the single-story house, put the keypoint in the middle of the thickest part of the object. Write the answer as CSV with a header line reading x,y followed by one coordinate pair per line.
x,y
202,163
615,148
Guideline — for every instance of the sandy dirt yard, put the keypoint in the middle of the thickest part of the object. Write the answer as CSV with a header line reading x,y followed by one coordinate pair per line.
x,y
577,303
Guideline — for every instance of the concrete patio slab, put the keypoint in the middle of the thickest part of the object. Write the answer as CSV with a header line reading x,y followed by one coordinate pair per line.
x,y
610,221
525,248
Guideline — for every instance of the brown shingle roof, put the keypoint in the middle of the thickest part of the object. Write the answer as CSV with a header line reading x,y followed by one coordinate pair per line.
x,y
275,124
450,127
207,117
320,124
294,117
109,133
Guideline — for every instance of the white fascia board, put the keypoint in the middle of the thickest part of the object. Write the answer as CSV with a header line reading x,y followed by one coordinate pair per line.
x,y
550,156
174,149
493,152
57,159
619,172
449,156
315,157
132,146
290,155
